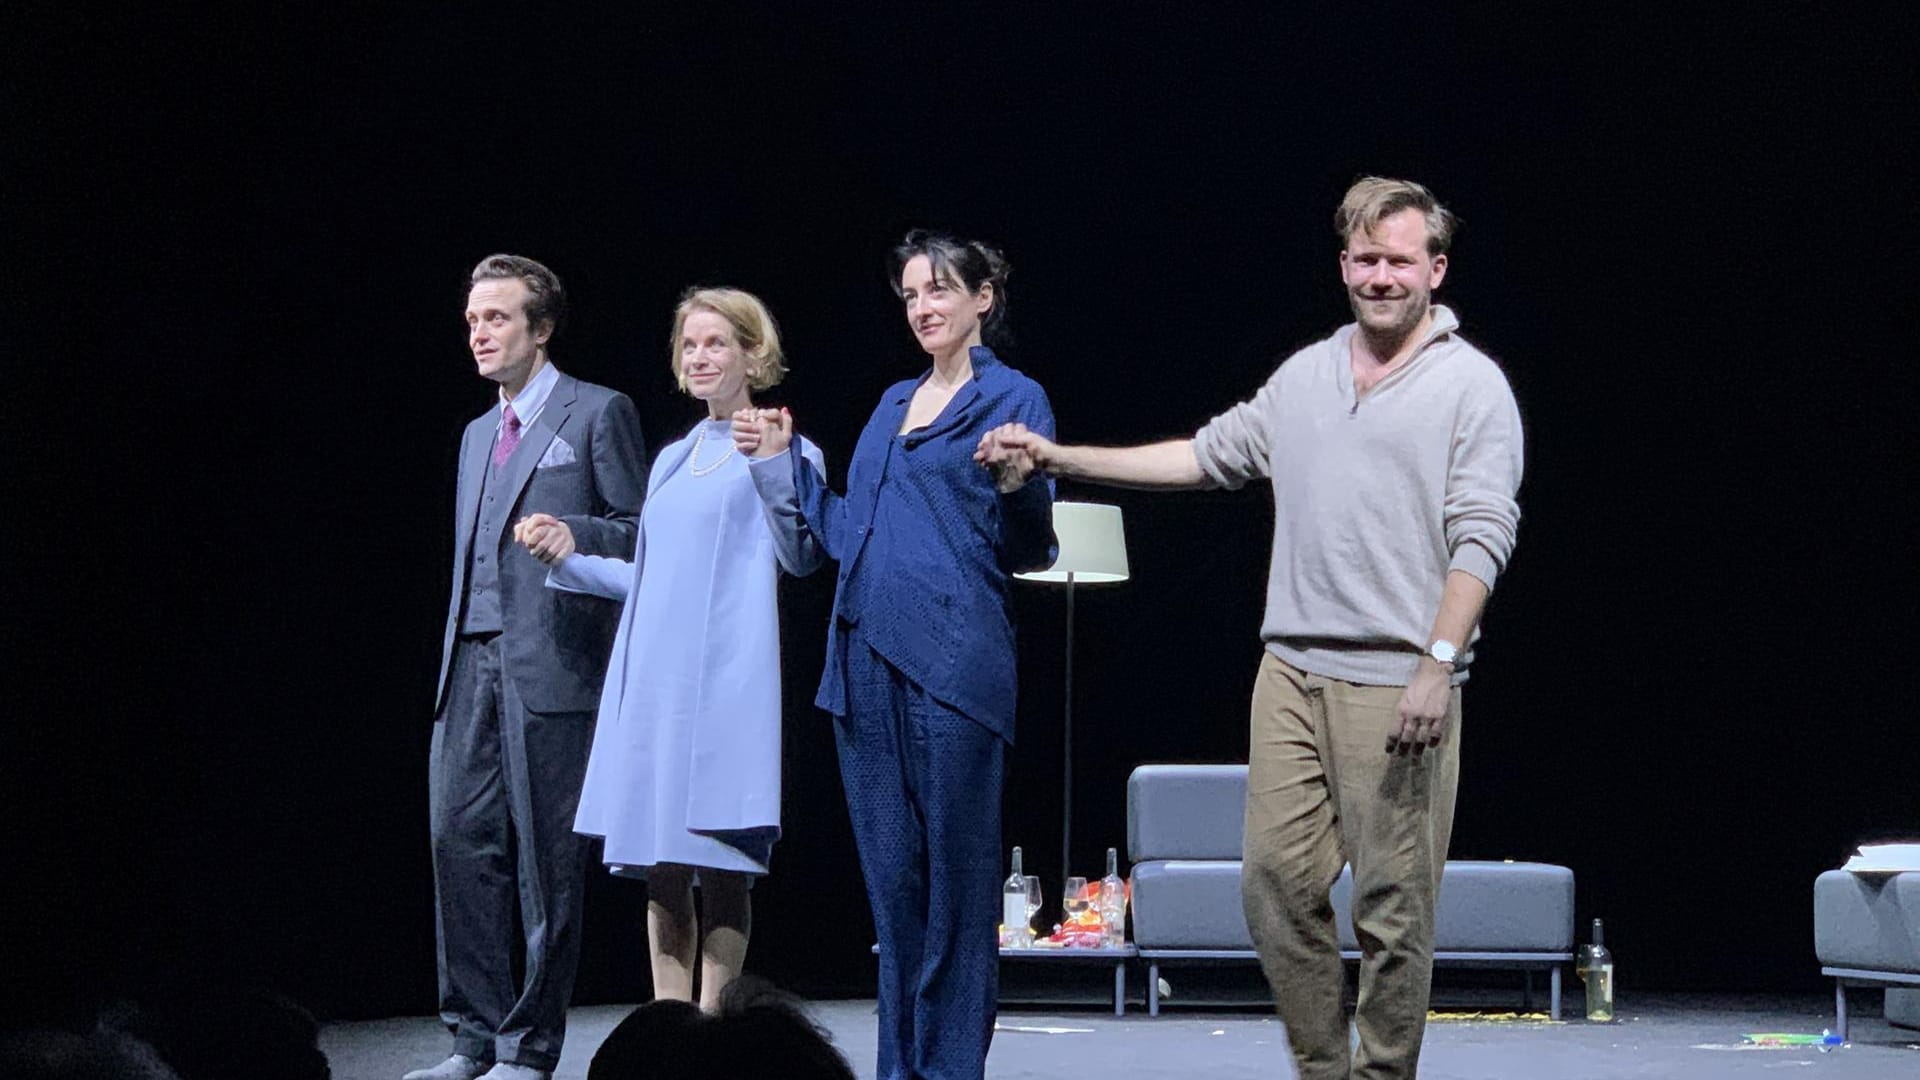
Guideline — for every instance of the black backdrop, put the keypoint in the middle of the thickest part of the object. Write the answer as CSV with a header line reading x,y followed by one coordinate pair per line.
x,y
238,377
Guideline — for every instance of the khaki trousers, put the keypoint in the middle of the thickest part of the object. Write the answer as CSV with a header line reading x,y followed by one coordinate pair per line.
x,y
1323,791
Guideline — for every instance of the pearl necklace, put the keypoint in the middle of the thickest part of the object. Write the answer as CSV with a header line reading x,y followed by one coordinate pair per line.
x,y
693,459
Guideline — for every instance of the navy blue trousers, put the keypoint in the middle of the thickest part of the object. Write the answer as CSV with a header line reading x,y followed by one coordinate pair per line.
x,y
923,787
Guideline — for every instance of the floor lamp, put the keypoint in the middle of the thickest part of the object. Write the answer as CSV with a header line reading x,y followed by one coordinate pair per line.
x,y
1093,551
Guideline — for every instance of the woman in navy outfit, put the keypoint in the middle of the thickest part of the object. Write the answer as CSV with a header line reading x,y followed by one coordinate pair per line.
x,y
920,652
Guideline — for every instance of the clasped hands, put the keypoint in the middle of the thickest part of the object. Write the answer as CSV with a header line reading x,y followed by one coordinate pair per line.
x,y
756,432
545,537
762,433
1012,453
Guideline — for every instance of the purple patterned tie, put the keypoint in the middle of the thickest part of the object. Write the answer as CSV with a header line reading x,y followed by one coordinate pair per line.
x,y
509,437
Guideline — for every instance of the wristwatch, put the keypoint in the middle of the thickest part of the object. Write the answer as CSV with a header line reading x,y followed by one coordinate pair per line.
x,y
1443,652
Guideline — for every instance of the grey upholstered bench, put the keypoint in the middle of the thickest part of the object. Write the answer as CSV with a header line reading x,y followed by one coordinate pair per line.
x,y
1184,827
1866,932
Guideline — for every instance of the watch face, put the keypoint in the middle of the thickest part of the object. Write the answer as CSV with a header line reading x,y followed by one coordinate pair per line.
x,y
1442,651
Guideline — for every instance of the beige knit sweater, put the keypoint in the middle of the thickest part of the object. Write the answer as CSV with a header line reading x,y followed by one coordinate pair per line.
x,y
1375,499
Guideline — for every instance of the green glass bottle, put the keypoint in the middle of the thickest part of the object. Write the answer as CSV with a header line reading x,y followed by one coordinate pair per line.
x,y
1595,969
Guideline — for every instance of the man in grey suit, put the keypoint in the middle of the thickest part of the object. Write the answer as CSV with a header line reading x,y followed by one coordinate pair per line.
x,y
520,673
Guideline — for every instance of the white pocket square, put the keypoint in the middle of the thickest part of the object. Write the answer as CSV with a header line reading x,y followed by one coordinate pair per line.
x,y
558,453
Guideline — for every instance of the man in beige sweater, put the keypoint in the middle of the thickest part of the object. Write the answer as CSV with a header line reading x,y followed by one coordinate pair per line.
x,y
1394,450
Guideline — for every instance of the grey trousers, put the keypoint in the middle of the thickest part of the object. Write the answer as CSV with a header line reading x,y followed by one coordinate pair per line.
x,y
503,784
1322,791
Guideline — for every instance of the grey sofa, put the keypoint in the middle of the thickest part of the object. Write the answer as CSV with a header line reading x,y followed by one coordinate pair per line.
x,y
1184,828
1866,932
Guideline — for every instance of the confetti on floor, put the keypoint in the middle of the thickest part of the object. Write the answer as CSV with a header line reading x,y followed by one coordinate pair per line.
x,y
1742,1046
1437,1017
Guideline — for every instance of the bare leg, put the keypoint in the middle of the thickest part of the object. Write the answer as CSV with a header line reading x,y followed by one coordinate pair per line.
x,y
727,908
672,931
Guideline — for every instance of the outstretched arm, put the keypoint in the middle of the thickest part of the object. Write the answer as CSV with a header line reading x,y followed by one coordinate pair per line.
x,y
794,545
1027,540
791,488
550,540
1169,466
595,575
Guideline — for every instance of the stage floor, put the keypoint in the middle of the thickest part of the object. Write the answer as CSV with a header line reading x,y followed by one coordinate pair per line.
x,y
1696,1037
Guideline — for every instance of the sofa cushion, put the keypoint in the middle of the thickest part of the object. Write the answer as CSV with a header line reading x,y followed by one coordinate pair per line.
x,y
1484,907
1504,907
1186,812
1867,921
1189,904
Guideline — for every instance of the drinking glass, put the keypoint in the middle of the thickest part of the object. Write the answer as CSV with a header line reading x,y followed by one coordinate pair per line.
x,y
1073,898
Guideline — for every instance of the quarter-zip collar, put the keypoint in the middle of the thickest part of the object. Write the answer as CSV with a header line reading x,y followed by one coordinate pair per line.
x,y
1444,324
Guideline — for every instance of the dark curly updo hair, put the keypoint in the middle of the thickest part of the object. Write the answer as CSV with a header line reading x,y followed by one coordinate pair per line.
x,y
970,263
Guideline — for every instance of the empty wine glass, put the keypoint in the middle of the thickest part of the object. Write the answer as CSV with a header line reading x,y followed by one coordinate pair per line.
x,y
1033,896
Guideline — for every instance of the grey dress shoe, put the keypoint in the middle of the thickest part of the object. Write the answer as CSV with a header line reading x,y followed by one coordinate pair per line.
x,y
456,1067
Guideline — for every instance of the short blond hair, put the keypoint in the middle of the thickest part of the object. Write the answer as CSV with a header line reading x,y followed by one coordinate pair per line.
x,y
753,329
1373,199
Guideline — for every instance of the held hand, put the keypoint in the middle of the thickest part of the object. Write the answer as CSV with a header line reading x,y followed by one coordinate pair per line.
x,y
531,528
746,430
545,537
556,545
1423,709
1016,438
1012,453
762,433
1011,470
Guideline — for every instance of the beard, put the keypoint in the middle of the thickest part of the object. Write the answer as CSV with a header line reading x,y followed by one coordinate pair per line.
x,y
1397,325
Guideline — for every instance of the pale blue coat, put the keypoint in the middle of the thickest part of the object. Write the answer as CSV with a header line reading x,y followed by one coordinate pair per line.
x,y
719,804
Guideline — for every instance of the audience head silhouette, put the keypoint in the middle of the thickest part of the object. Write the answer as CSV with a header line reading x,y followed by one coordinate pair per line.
x,y
759,1031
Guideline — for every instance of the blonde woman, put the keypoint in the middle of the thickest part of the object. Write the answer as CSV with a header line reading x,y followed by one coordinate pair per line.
x,y
684,779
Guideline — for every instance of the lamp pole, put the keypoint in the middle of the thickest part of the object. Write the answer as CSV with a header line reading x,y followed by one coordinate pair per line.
x,y
1066,757
1092,549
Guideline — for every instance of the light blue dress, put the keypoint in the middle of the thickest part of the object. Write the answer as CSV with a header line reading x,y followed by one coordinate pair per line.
x,y
685,765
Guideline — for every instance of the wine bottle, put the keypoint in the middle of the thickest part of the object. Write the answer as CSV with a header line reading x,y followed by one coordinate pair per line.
x,y
1013,908
1113,904
1595,969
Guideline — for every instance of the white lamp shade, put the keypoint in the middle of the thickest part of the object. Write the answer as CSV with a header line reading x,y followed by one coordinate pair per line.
x,y
1093,545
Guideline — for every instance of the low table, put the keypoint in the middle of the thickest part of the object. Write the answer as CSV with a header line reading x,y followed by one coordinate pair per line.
x,y
1118,957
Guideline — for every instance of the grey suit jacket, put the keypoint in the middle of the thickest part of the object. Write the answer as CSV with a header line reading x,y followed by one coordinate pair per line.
x,y
554,645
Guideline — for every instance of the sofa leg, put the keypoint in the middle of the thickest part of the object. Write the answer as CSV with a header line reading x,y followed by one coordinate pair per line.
x,y
1554,1011
1840,1008
1153,988
1120,988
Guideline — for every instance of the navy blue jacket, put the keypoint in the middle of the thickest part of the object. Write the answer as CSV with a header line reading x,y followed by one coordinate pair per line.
x,y
926,545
